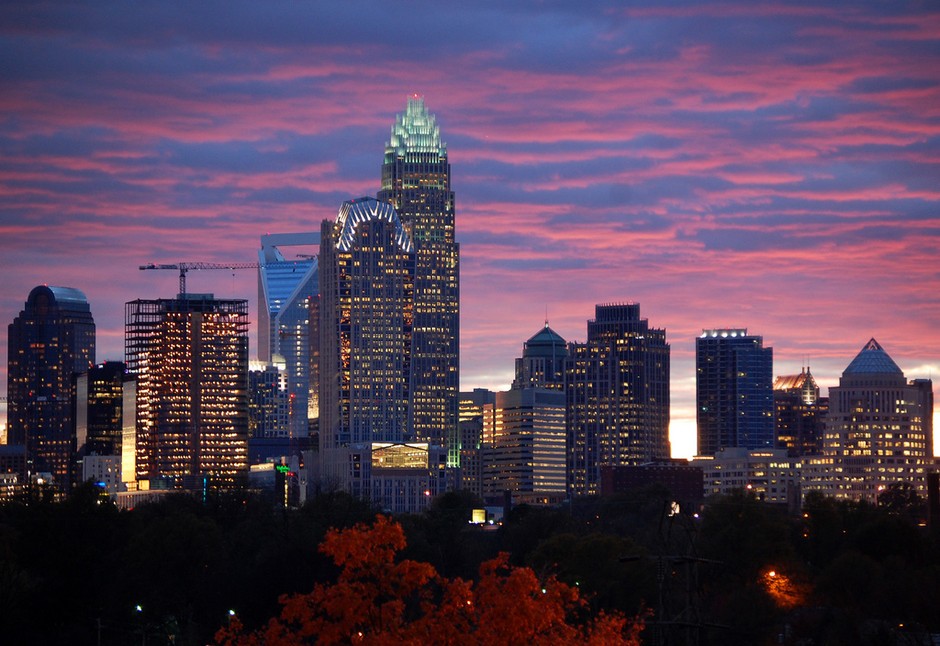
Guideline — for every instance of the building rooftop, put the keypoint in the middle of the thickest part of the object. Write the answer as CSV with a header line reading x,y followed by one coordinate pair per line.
x,y
415,131
873,360
545,336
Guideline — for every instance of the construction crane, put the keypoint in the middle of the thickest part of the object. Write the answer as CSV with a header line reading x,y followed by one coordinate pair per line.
x,y
184,267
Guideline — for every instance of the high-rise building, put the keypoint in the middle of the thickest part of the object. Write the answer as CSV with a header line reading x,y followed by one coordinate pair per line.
x,y
524,437
190,357
366,318
287,292
473,412
268,402
617,396
799,413
416,181
100,409
879,429
542,363
50,342
526,450
733,391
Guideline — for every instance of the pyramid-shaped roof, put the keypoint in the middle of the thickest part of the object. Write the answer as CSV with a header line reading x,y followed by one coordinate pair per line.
x,y
873,360
546,336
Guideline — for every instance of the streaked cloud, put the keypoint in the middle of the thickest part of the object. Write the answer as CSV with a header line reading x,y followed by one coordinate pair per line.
x,y
769,165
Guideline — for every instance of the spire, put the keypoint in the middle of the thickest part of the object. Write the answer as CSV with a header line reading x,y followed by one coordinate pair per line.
x,y
415,131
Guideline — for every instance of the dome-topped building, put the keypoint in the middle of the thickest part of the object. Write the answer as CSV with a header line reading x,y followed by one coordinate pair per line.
x,y
879,429
542,363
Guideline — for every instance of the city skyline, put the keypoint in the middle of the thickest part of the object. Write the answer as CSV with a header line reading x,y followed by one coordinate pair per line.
x,y
770,167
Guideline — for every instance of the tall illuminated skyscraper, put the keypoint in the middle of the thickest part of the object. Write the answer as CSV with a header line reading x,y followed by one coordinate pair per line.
x,y
799,413
366,318
416,181
524,440
287,293
879,429
733,391
50,342
617,396
190,357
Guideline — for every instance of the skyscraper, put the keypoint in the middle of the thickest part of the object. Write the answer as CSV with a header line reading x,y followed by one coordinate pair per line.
x,y
190,357
287,291
100,409
367,270
617,396
542,363
799,413
733,391
268,402
524,436
879,428
51,341
416,181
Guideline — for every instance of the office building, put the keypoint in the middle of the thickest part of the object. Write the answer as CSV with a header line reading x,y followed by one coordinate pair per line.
x,y
524,437
50,342
287,292
190,358
525,454
799,413
770,475
269,401
366,317
473,410
879,430
416,181
100,409
733,391
617,396
542,364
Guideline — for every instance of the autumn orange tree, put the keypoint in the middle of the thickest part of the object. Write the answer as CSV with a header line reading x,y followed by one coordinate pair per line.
x,y
378,600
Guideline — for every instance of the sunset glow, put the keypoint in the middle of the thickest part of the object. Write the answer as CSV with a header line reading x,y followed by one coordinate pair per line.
x,y
772,166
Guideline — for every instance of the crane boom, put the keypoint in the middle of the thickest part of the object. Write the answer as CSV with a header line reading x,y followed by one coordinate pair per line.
x,y
184,267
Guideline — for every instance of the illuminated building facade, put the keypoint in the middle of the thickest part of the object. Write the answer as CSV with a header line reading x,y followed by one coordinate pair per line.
x,y
733,391
879,429
268,402
771,475
190,357
799,413
617,396
524,437
542,363
367,266
416,181
287,292
474,409
525,452
50,342
100,409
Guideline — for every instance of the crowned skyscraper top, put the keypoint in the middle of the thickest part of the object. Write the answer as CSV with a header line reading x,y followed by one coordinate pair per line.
x,y
416,181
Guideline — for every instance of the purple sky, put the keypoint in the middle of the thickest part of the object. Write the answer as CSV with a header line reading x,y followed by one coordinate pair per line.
x,y
770,165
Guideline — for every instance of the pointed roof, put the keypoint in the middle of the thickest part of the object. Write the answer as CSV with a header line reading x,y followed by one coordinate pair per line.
x,y
415,131
873,360
545,336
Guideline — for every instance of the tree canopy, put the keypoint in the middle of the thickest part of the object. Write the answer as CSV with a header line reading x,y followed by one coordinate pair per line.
x,y
379,599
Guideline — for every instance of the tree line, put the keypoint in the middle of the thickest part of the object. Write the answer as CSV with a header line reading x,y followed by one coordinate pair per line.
x,y
735,571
